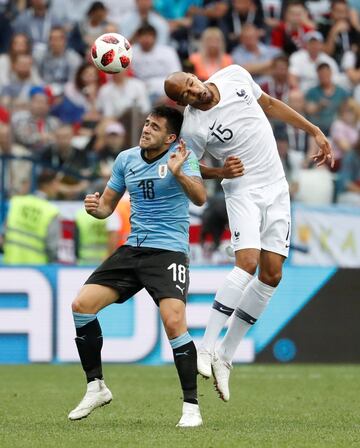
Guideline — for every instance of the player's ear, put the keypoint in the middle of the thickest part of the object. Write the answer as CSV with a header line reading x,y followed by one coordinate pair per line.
x,y
171,138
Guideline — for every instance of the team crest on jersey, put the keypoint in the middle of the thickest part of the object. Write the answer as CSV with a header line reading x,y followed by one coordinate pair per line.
x,y
163,169
244,96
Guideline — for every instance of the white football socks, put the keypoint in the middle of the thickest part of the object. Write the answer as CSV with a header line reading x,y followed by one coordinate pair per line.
x,y
254,301
227,298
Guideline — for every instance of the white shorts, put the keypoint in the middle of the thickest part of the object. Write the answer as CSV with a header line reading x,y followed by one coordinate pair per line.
x,y
260,218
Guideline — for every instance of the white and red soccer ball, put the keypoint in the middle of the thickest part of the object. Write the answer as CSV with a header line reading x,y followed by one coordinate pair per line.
x,y
111,53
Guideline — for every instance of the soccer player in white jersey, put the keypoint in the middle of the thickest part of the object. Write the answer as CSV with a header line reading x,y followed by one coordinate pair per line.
x,y
227,116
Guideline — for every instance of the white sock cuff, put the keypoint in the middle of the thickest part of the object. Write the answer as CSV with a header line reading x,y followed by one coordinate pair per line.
x,y
262,288
240,277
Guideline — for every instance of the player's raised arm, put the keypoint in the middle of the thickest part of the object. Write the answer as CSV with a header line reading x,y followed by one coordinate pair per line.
x,y
278,110
193,186
102,206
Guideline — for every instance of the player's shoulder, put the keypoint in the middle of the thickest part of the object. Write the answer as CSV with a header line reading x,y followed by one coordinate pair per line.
x,y
233,71
127,155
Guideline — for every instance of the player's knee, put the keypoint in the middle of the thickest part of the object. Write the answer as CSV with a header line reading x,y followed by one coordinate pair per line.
x,y
249,264
78,306
172,324
271,278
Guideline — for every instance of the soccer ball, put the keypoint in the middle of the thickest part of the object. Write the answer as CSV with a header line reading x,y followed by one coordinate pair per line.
x,y
111,53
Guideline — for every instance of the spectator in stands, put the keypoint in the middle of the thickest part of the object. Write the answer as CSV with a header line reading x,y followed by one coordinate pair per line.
x,y
277,85
91,239
83,90
19,44
338,32
34,128
144,13
63,108
211,56
92,26
17,172
180,22
32,231
289,34
354,13
36,22
72,164
152,62
57,64
108,142
349,177
64,11
5,27
350,64
272,13
256,57
117,8
344,132
121,94
15,94
324,100
241,12
303,63
297,138
209,14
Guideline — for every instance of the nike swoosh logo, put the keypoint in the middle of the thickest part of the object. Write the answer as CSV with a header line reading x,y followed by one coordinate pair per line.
x,y
212,127
224,309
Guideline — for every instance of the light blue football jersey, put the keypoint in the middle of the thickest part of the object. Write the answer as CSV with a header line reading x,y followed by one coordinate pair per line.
x,y
159,206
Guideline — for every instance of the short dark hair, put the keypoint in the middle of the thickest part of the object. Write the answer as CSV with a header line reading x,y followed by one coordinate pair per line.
x,y
322,66
96,6
45,177
146,28
174,118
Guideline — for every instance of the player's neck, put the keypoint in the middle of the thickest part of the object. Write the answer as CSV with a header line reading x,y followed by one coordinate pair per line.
x,y
151,154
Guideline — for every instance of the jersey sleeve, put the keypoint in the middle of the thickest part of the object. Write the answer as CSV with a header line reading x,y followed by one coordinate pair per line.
x,y
117,179
191,166
256,89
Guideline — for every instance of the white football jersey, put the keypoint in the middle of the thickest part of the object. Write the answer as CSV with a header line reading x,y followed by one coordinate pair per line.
x,y
236,126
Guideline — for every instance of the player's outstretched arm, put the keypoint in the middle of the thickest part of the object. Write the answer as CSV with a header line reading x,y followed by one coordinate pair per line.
x,y
233,167
193,186
280,111
102,206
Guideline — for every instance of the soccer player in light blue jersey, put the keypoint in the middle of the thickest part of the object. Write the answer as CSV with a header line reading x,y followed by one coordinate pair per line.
x,y
161,176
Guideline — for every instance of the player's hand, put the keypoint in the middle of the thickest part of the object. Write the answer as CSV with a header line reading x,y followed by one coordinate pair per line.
x,y
325,153
178,158
92,202
233,167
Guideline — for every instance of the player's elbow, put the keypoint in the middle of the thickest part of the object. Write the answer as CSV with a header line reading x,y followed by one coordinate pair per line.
x,y
200,198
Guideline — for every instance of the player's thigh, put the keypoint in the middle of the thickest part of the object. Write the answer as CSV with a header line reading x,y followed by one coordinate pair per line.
x,y
165,274
93,298
244,221
172,312
116,274
276,229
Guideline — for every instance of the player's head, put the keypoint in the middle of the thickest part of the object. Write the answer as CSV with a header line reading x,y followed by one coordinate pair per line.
x,y
186,88
161,128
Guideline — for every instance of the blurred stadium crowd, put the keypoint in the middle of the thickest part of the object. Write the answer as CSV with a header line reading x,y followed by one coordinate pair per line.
x,y
59,114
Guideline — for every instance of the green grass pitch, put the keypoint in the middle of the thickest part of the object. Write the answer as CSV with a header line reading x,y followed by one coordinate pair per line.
x,y
271,406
